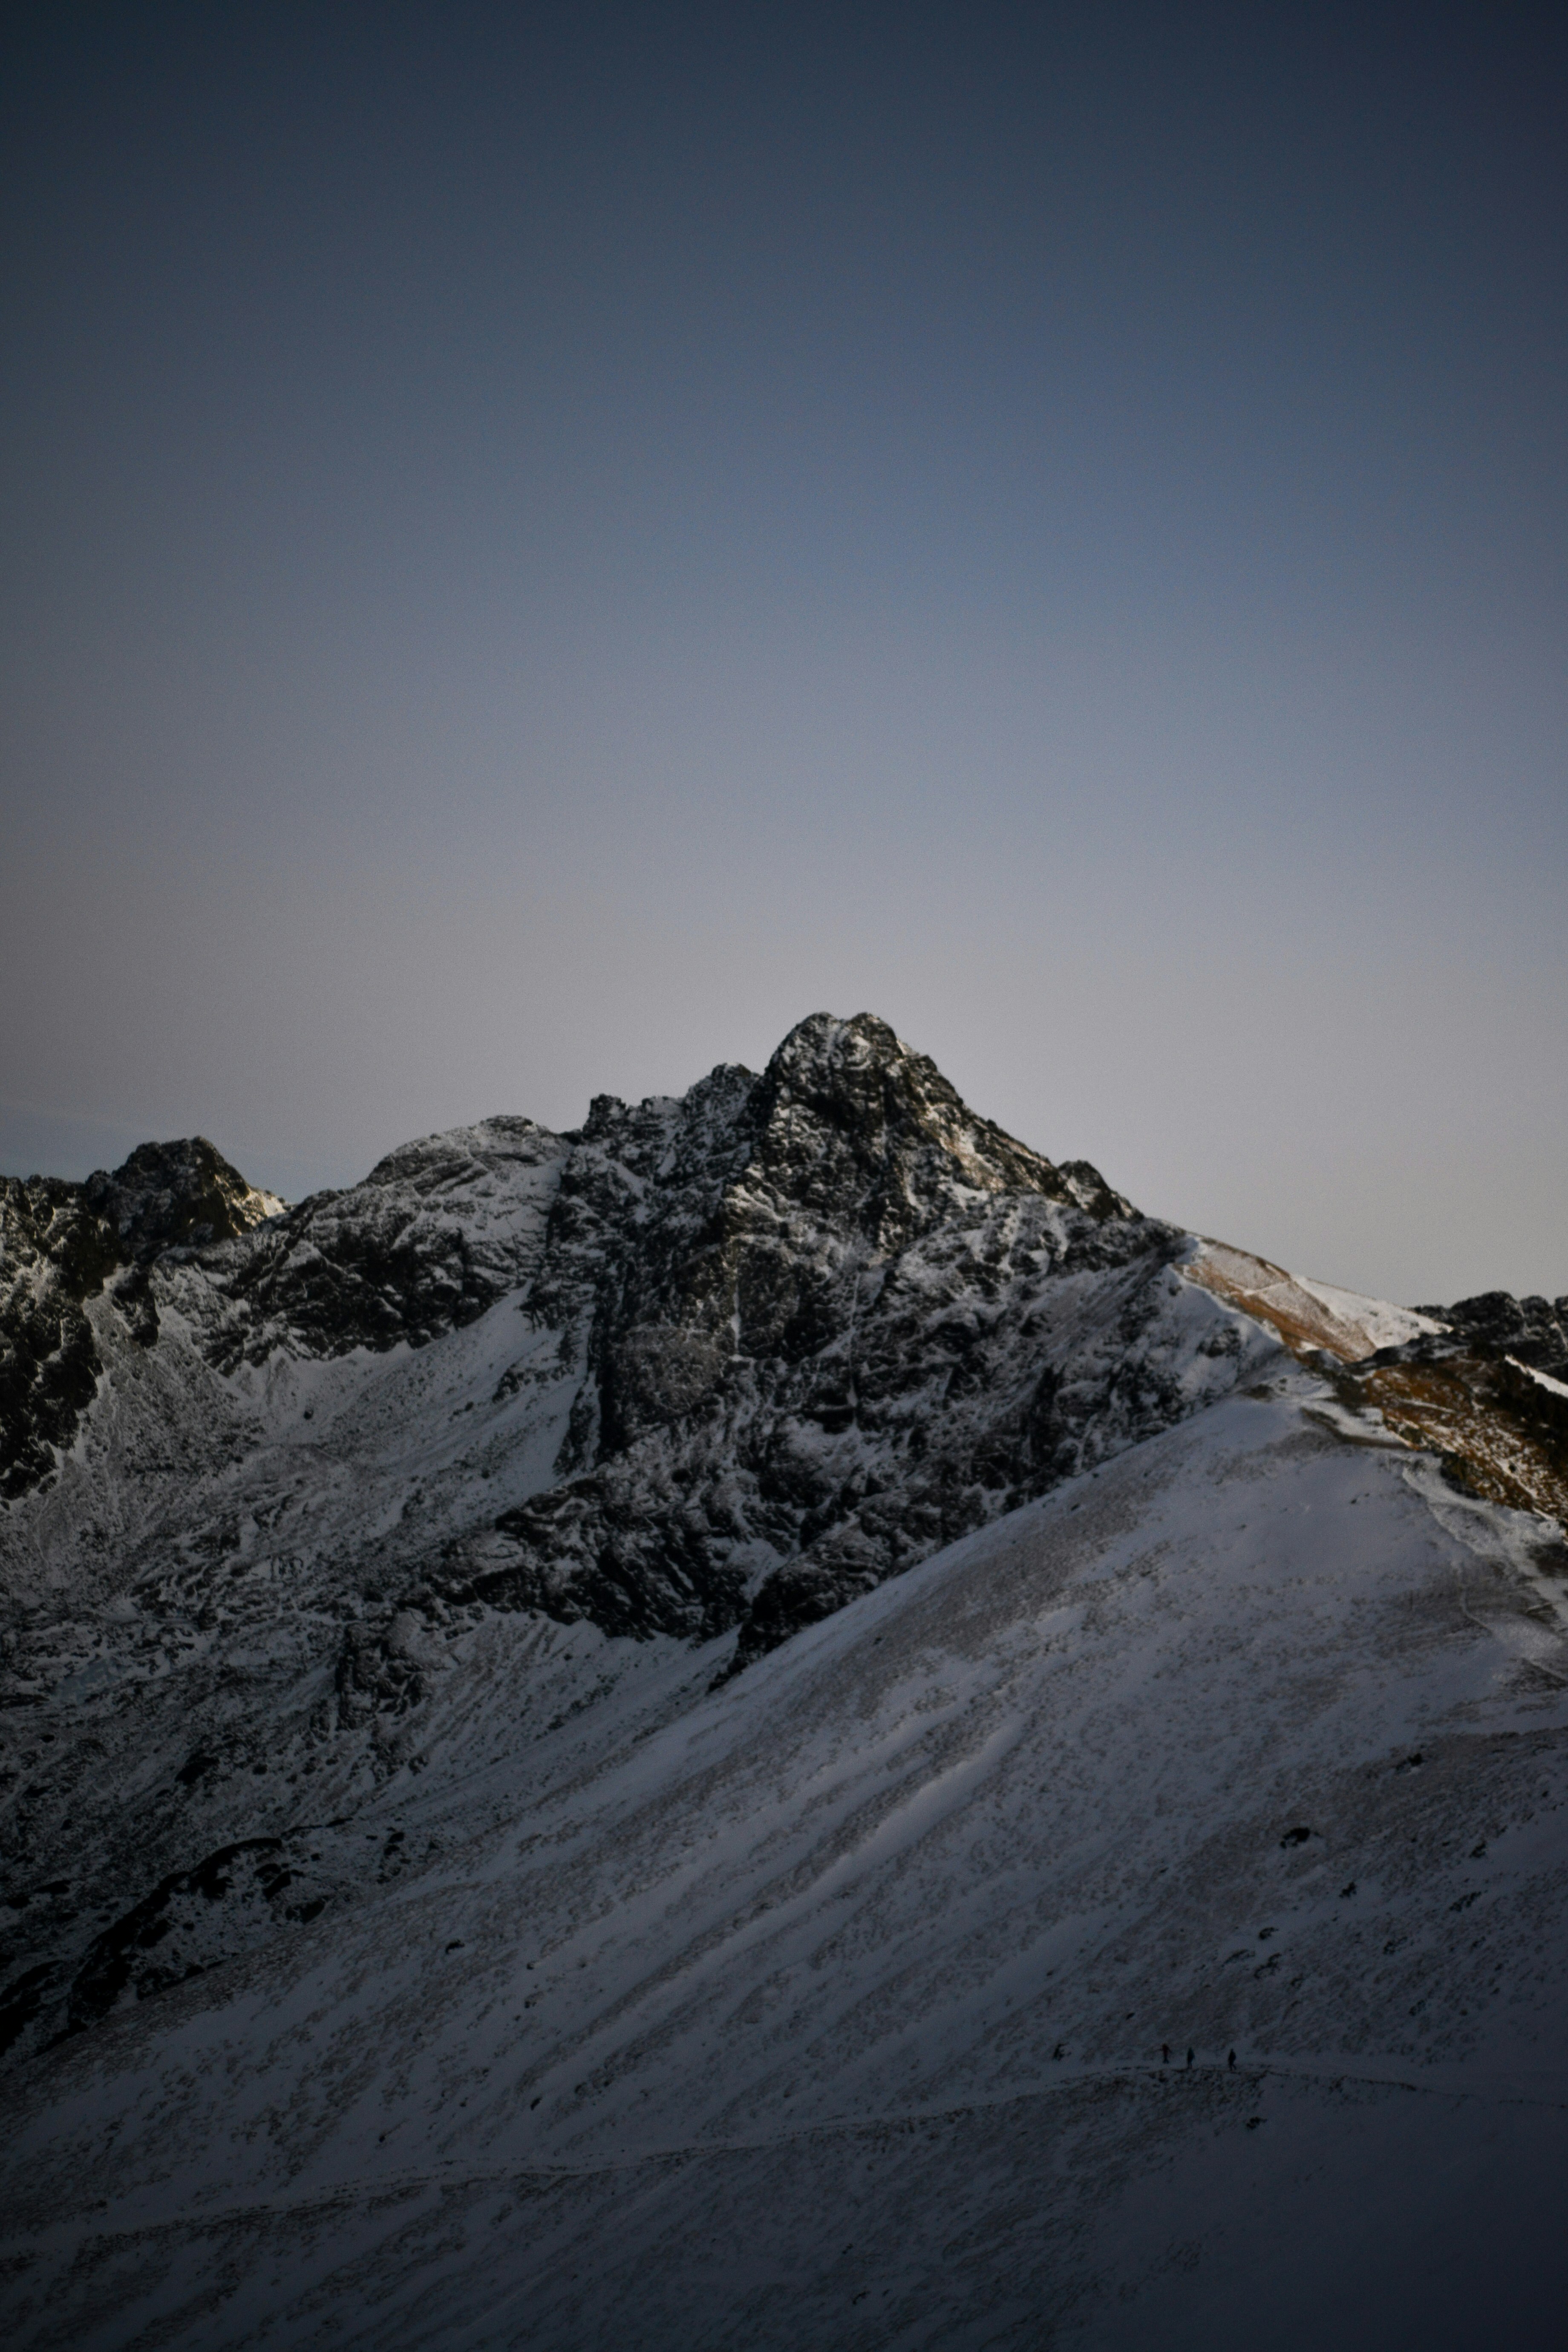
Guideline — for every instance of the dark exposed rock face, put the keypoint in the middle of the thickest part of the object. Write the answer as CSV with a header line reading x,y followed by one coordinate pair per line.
x,y
1534,1330
62,1245
174,1196
819,1311
56,1253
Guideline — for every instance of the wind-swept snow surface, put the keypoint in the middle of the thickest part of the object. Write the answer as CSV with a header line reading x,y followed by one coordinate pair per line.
x,y
826,2008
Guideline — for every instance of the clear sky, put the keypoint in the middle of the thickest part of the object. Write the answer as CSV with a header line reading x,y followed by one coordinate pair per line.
x,y
540,544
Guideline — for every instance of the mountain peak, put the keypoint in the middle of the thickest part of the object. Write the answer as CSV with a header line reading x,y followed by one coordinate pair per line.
x,y
61,1244
176,1195
846,1106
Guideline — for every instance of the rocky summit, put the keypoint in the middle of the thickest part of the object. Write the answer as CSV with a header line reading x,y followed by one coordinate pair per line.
x,y
572,1551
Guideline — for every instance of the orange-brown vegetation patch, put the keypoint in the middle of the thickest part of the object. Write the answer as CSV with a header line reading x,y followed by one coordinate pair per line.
x,y
1272,1296
1500,1436
1458,1410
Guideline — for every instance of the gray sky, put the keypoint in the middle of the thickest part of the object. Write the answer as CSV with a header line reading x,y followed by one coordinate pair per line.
x,y
541,545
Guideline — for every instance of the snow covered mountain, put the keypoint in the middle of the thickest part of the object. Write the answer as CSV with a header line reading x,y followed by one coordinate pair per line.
x,y
588,1708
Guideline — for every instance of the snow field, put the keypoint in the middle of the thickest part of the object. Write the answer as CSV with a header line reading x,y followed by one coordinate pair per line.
x,y
697,1991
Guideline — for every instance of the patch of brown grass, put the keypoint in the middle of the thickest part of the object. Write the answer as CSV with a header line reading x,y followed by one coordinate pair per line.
x,y
1458,1408
1495,1440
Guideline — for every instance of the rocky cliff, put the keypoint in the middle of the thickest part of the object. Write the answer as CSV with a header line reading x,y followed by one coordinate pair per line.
x,y
63,1245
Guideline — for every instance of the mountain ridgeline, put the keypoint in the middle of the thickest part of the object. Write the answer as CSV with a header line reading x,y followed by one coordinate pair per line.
x,y
813,1324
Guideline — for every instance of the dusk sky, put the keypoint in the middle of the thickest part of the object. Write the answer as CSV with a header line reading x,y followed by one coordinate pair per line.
x,y
541,545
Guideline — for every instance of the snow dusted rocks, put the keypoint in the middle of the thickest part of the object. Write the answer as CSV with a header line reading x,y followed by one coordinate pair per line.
x,y
63,1245
1534,1331
827,1320
828,2007
437,1233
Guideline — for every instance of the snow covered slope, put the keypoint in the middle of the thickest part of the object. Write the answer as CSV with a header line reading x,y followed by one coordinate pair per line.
x,y
584,1709
827,2007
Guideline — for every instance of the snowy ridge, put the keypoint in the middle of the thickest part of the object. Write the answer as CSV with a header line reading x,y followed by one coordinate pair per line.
x,y
1307,1314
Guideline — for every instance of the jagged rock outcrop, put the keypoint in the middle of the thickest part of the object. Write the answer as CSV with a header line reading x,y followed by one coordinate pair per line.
x,y
815,1315
63,1245
437,1231
1534,1330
